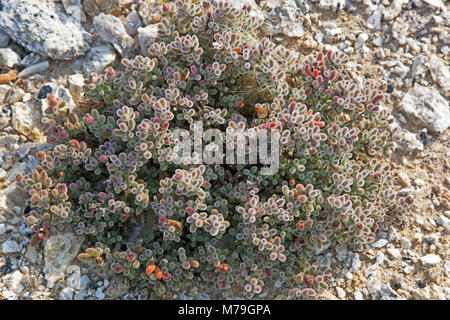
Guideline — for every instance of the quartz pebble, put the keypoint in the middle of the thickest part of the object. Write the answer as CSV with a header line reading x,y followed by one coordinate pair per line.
x,y
9,58
358,295
10,246
430,259
379,243
405,243
340,292
393,252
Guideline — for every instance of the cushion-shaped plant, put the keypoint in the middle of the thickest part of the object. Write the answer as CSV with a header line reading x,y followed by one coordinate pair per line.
x,y
115,174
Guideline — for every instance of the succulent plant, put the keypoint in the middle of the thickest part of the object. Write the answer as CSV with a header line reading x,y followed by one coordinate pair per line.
x,y
112,173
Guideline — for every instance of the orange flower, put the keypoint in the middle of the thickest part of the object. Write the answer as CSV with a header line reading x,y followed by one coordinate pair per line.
x,y
158,273
176,224
238,49
260,110
224,268
240,104
19,177
88,118
309,112
150,269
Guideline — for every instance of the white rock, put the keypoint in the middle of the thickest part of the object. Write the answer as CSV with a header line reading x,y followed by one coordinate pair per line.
x,y
319,37
27,119
12,196
9,58
425,107
409,141
59,251
74,281
36,68
66,294
420,220
98,59
27,97
99,294
13,281
362,38
285,18
356,263
408,269
395,253
418,236
440,72
76,84
433,238
31,254
340,292
444,221
379,258
341,252
400,69
16,96
393,235
447,265
333,32
147,36
74,9
332,4
434,3
40,27
379,243
133,23
10,246
111,30
358,295
405,243
419,66
393,10
430,259
374,21
84,282
419,182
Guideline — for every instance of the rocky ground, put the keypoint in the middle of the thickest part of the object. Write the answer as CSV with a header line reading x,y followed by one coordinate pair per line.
x,y
47,46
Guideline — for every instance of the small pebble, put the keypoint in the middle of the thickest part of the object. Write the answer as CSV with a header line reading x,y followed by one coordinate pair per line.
x,y
447,265
66,294
358,295
10,246
340,292
380,258
99,294
405,243
420,220
395,253
379,243
430,259
408,269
